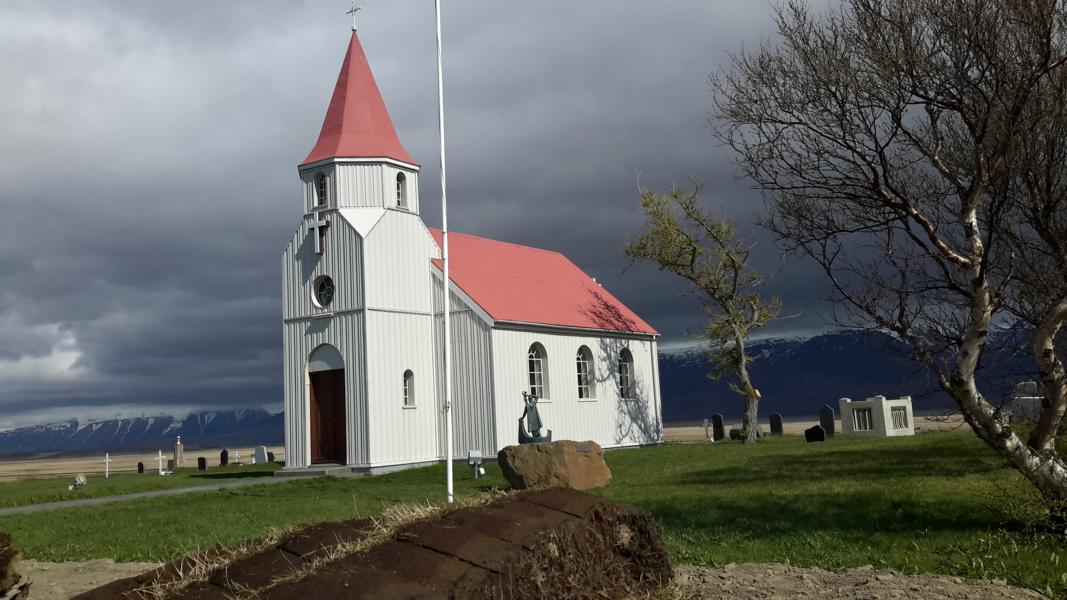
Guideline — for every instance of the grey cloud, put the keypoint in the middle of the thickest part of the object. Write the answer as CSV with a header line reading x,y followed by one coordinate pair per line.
x,y
148,169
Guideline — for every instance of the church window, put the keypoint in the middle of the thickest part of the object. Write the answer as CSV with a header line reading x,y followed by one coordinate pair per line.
x,y
320,189
584,360
626,374
536,368
324,291
409,389
401,190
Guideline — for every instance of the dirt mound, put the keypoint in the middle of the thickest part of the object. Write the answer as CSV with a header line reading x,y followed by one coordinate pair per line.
x,y
751,581
12,585
540,544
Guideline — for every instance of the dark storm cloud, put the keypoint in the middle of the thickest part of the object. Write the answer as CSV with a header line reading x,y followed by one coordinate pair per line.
x,y
148,170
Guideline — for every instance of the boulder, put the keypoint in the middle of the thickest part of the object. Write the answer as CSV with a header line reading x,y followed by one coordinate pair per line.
x,y
10,582
567,464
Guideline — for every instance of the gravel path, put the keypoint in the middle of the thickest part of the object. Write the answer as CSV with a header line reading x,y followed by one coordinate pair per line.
x,y
32,508
774,581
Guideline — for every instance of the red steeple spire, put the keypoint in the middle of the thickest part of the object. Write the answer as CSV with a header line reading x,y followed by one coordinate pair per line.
x,y
357,123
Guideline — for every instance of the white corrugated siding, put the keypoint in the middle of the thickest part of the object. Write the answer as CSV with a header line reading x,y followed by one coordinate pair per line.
x,y
397,342
398,251
472,378
301,338
344,330
300,267
605,419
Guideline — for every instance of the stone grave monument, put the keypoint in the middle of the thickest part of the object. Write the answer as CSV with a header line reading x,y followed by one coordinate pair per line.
x,y
718,429
140,468
259,457
776,424
201,464
814,433
224,458
826,420
179,453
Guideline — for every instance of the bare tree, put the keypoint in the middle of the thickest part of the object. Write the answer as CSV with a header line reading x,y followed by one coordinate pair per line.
x,y
684,239
890,139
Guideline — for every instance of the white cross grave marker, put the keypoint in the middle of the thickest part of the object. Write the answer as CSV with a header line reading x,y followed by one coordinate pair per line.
x,y
316,226
107,465
159,459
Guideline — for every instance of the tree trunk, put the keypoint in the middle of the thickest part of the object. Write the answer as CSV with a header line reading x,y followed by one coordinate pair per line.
x,y
1045,470
1053,379
752,396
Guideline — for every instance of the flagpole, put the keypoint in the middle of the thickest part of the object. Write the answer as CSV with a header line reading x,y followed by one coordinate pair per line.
x,y
444,255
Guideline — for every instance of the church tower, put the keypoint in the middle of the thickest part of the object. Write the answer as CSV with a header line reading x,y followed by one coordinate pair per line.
x,y
357,293
358,160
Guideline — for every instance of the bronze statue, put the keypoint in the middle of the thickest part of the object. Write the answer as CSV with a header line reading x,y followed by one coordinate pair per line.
x,y
533,422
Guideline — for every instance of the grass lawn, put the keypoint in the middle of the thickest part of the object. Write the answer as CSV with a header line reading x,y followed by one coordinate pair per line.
x,y
932,503
54,489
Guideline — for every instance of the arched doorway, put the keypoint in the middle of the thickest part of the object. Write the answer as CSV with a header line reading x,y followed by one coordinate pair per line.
x,y
326,372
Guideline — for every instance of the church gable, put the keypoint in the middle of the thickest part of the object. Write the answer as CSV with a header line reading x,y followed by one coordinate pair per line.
x,y
306,272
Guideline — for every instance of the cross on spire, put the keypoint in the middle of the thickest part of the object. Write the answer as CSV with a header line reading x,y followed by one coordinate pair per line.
x,y
355,9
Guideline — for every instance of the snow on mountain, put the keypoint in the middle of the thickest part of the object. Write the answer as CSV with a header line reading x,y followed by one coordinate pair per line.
x,y
210,428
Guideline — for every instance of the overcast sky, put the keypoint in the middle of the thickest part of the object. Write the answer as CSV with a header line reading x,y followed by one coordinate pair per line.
x,y
148,181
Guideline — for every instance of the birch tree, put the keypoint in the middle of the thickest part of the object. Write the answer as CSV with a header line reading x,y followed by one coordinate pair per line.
x,y
684,239
893,140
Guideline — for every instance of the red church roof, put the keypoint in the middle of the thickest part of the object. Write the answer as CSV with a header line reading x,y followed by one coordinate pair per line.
x,y
529,285
357,124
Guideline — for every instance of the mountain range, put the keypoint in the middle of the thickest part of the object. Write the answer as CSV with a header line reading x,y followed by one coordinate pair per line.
x,y
795,377
219,428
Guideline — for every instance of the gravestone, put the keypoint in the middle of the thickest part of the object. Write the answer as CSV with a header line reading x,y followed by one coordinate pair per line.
x,y
737,435
718,429
826,420
270,457
259,457
814,434
140,468
224,458
776,424
201,464
171,464
179,453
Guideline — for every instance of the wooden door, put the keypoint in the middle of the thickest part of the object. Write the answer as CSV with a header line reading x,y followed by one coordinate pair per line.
x,y
328,416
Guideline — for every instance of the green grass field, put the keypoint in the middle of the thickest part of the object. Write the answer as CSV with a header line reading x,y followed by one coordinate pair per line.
x,y
54,489
939,503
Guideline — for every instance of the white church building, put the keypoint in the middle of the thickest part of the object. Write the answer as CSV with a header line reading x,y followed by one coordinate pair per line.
x,y
363,305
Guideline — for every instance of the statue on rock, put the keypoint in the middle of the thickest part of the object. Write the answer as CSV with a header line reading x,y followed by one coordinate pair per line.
x,y
533,422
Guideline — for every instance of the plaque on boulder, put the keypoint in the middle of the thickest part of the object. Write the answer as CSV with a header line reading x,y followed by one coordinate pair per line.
x,y
201,464
554,464
224,458
776,424
533,423
718,429
140,468
826,420
814,434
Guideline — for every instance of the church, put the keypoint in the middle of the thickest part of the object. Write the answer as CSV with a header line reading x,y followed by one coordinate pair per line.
x,y
363,302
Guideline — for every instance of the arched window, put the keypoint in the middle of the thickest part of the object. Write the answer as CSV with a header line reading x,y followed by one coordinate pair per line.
x,y
409,389
401,190
536,361
320,189
584,360
626,374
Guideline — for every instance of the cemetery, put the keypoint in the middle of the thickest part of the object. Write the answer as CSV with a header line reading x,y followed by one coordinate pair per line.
x,y
781,500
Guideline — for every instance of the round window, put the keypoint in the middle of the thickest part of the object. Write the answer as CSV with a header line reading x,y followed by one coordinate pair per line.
x,y
324,291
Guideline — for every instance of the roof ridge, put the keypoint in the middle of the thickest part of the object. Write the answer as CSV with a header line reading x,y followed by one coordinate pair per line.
x,y
495,241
